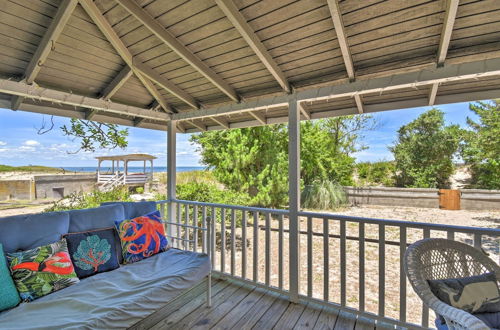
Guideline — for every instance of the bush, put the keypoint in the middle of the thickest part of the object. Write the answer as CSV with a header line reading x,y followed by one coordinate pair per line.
x,y
82,200
378,173
325,195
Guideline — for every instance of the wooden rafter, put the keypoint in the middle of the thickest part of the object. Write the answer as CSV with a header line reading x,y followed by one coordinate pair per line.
x,y
117,82
224,123
202,127
359,103
33,92
303,111
16,102
259,116
171,41
240,23
138,121
433,93
139,69
180,127
90,113
333,5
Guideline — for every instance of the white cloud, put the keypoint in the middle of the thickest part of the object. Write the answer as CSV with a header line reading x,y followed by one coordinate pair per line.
x,y
31,143
2,143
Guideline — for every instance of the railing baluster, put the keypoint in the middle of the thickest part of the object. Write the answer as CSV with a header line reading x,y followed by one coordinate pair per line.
x,y
326,261
381,270
255,246
477,241
309,257
280,253
343,271
425,309
214,236
361,235
179,215
233,244
450,235
186,229
402,276
222,239
204,225
268,249
195,232
244,244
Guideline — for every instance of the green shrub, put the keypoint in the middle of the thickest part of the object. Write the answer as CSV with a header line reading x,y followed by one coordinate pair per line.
x,y
325,195
82,200
377,173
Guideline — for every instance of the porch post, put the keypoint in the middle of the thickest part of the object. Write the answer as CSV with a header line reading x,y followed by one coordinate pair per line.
x,y
171,171
294,195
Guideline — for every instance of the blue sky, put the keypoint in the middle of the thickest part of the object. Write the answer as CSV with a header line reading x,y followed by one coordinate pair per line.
x,y
20,144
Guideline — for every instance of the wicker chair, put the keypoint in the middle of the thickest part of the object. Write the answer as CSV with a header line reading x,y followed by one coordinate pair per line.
x,y
437,258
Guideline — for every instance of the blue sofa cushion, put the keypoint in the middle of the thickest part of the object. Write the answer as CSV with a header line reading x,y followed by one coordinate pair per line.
x,y
8,293
96,218
135,209
28,231
492,320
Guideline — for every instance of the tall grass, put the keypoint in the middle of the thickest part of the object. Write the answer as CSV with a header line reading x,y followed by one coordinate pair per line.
x,y
189,177
325,195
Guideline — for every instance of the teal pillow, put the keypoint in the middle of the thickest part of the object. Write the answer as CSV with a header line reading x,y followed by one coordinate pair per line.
x,y
8,293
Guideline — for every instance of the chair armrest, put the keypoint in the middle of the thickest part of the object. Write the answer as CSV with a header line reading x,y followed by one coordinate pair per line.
x,y
455,317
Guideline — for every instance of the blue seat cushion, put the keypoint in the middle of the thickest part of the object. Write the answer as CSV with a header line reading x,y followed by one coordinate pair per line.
x,y
8,293
28,231
96,218
135,209
492,320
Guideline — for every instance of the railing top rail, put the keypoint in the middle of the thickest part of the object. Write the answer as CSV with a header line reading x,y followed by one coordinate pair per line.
x,y
233,207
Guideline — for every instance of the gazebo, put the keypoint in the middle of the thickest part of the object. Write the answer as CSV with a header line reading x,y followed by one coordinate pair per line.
x,y
118,173
190,66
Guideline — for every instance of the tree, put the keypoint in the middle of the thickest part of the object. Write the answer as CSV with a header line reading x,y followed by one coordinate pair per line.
x,y
481,149
255,160
424,151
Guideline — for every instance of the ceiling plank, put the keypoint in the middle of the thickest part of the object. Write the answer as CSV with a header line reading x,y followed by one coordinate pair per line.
x,y
45,94
171,41
221,122
117,82
359,103
139,68
449,22
49,39
240,23
260,117
333,5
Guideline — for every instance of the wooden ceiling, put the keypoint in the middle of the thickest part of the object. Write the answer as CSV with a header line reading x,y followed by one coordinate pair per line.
x,y
215,64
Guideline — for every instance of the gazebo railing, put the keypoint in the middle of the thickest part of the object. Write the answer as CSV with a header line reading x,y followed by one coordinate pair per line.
x,y
352,263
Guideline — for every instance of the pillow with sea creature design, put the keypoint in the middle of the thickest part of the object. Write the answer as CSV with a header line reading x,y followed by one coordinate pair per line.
x,y
142,237
475,294
42,270
93,251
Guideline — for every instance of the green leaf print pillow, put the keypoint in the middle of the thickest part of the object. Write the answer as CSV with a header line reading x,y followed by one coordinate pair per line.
x,y
42,270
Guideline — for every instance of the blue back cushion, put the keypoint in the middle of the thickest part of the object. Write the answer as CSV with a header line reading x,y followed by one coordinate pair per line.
x,y
8,293
96,218
28,231
135,209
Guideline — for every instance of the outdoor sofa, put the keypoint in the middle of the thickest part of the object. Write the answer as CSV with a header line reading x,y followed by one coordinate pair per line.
x,y
115,299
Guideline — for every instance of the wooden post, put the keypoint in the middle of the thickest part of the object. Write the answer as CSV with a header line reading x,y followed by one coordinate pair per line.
x,y
294,195
171,171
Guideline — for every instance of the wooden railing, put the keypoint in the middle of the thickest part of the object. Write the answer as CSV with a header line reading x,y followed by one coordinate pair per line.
x,y
353,263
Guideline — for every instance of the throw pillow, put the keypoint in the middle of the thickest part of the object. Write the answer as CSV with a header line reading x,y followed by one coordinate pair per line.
x,y
475,294
8,293
93,251
42,270
142,237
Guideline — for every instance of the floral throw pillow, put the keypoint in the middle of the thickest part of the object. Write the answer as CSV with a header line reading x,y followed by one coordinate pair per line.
x,y
42,270
142,237
93,252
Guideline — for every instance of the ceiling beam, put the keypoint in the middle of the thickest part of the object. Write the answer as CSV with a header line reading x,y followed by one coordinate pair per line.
x,y
180,127
202,127
333,5
304,112
138,68
359,103
221,122
90,113
117,82
159,99
16,101
433,93
241,25
49,39
171,41
138,121
45,94
260,117
449,22
424,77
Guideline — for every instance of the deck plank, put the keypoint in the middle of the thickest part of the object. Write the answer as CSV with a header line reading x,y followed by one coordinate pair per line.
x,y
309,317
326,319
273,314
290,316
363,323
345,321
252,316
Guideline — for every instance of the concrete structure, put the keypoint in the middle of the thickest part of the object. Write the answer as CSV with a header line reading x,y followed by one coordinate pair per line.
x,y
59,186
17,189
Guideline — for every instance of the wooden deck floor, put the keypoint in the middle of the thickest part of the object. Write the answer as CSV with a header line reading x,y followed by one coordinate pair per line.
x,y
241,306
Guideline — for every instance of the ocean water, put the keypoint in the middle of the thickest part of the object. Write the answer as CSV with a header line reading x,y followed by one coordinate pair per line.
x,y
134,169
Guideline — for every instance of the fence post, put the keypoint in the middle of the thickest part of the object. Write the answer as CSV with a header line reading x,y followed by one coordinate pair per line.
x,y
171,172
294,195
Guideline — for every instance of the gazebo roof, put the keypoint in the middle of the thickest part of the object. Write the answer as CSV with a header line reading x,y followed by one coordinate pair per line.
x,y
213,64
127,157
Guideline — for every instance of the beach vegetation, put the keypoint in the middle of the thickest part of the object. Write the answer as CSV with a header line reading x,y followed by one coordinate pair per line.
x,y
81,200
28,168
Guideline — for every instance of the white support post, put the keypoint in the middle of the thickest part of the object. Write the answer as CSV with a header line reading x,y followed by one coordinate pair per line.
x,y
294,195
171,171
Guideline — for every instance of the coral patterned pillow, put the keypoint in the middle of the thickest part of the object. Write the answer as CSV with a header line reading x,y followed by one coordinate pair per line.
x,y
93,251
142,237
42,270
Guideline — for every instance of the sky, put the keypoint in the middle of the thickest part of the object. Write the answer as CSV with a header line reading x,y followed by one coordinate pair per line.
x,y
20,144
